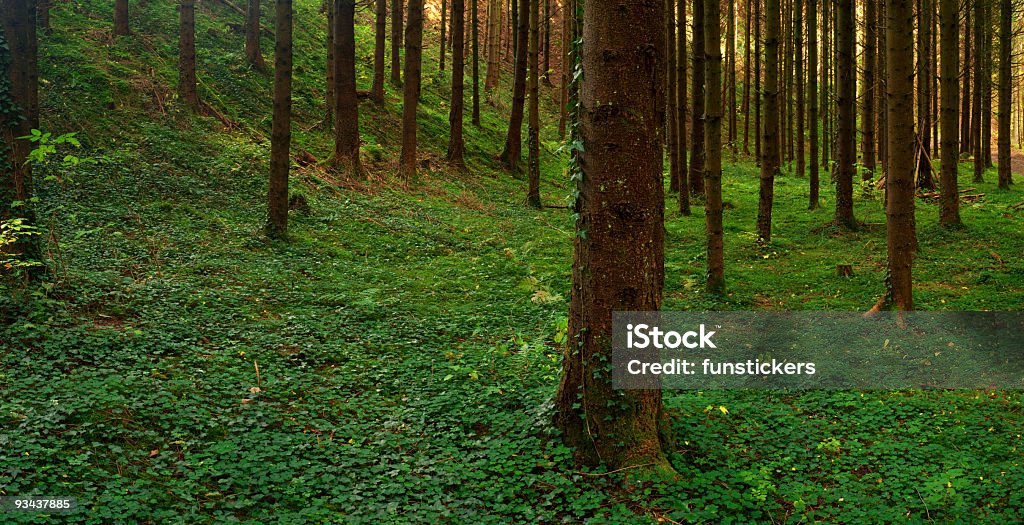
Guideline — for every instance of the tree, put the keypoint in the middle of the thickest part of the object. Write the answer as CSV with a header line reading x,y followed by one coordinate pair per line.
x,y
618,256
670,106
533,139
187,54
746,82
713,146
846,106
253,53
978,89
949,199
455,142
411,94
697,119
476,67
494,13
330,7
870,85
812,101
730,82
680,115
966,126
798,73
281,129
1005,45
380,27
901,240
121,18
770,141
19,112
346,102
924,85
514,139
396,42
444,24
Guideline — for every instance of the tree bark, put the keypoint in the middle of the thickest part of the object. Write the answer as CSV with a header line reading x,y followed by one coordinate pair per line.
x,y
330,82
397,15
514,138
812,102
713,146
411,94
746,82
870,86
730,84
281,131
444,24
986,84
455,142
966,126
346,105
683,194
253,53
563,84
121,18
759,93
380,28
187,54
618,260
770,141
697,119
670,85
798,73
476,65
846,105
949,199
1005,39
493,45
19,114
924,86
979,72
901,240
533,138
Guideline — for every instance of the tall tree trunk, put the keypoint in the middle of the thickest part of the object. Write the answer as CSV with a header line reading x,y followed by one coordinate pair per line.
x,y
1005,37
901,240
770,142
746,82
121,17
868,102
798,67
846,104
346,106
411,94
697,119
670,86
19,114
563,85
494,13
281,127
444,24
533,138
787,152
986,83
949,201
978,88
476,65
455,142
545,50
380,27
397,15
683,195
758,94
812,101
713,146
515,21
730,84
880,53
253,53
826,72
514,139
618,264
966,126
187,54
924,98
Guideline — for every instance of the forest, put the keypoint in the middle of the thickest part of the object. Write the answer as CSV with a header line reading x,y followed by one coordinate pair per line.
x,y
371,261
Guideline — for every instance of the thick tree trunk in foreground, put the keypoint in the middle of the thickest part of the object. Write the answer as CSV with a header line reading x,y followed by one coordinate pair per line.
x,y
533,139
618,265
380,28
846,105
397,16
253,53
697,118
121,18
514,139
899,211
1005,37
713,146
187,54
411,95
949,201
455,142
19,113
281,132
346,105
770,141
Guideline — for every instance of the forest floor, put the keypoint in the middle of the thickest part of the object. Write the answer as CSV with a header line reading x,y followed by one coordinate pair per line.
x,y
394,361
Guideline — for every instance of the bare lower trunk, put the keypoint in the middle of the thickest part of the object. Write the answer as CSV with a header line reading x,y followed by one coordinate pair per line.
x,y
697,120
949,201
713,146
411,96
346,106
121,17
187,54
280,138
514,138
380,27
1005,37
253,53
846,105
476,65
680,115
812,102
455,142
533,140
770,140
397,16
